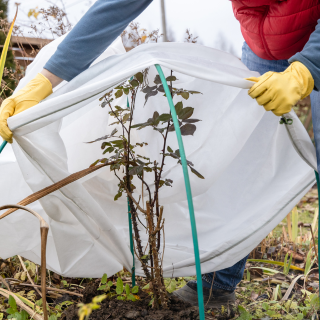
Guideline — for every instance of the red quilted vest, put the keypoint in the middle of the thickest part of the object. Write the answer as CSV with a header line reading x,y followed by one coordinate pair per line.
x,y
274,29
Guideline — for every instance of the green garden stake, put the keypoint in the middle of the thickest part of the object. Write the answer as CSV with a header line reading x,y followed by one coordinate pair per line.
x,y
188,190
4,143
133,271
318,185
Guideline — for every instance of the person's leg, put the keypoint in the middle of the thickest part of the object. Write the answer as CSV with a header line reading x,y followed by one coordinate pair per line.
x,y
227,279
315,107
224,282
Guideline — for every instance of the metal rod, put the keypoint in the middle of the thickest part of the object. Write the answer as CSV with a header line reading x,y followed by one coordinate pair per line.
x,y
164,22
133,271
188,190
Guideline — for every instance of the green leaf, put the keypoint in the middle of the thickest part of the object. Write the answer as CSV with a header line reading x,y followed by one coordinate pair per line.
x,y
119,288
155,118
110,283
10,311
169,149
5,47
126,117
199,175
102,287
135,289
119,93
131,297
184,95
164,117
1,316
171,285
140,125
109,149
104,279
177,152
279,263
191,120
134,83
185,113
188,129
12,303
171,78
178,107
244,314
127,289
104,144
53,317
136,170
265,306
24,315
139,77
121,298
147,286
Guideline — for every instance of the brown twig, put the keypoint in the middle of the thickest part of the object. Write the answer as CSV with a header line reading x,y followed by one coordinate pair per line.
x,y
44,228
49,289
5,283
32,313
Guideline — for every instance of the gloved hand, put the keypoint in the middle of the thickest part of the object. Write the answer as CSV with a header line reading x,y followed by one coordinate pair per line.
x,y
278,92
35,91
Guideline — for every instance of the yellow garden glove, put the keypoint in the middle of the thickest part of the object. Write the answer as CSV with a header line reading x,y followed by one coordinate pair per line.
x,y
278,92
35,91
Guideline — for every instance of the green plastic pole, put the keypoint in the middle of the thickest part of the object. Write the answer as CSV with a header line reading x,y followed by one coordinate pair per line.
x,y
133,270
4,143
188,190
318,185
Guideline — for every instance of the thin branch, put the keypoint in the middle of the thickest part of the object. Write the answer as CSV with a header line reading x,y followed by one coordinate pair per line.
x,y
49,289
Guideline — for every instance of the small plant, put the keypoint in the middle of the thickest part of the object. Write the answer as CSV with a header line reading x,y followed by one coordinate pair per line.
x,y
104,285
309,263
124,292
287,264
130,167
86,309
14,312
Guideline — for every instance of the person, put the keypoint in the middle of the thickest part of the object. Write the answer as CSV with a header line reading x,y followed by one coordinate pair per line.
x,y
282,43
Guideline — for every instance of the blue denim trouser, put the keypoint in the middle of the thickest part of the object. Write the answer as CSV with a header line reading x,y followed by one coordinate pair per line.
x,y
227,279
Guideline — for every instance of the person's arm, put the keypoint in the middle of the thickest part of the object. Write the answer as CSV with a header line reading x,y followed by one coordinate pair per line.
x,y
97,29
310,56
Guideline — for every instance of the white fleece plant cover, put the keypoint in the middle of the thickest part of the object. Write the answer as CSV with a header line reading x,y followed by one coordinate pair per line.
x,y
253,174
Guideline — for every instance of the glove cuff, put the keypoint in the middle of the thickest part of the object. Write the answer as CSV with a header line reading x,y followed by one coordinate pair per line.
x,y
42,87
305,78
